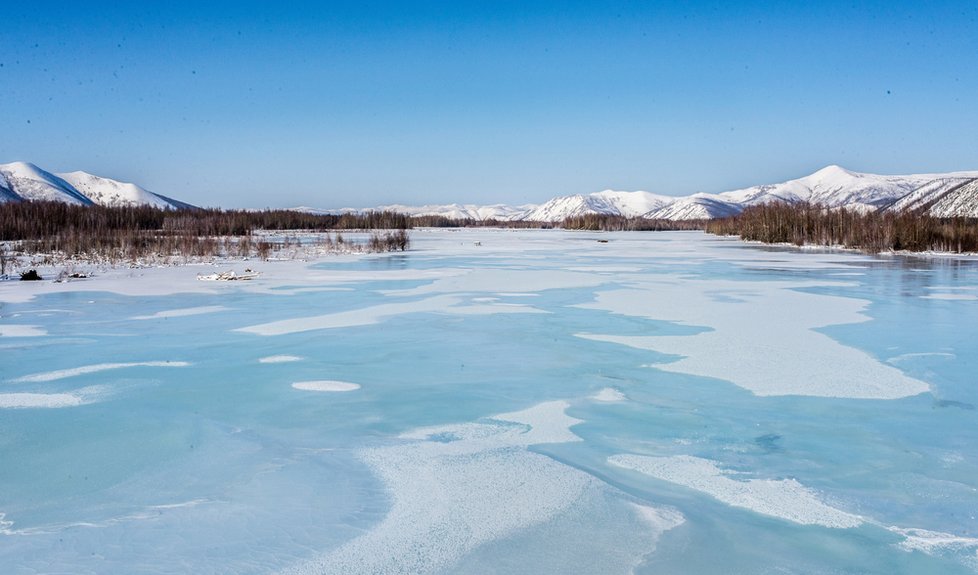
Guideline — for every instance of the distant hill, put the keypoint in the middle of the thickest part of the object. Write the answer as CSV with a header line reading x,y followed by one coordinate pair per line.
x,y
22,181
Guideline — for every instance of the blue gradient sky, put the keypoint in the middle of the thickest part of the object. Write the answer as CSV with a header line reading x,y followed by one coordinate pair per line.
x,y
358,104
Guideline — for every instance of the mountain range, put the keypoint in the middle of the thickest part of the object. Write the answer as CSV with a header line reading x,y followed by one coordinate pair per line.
x,y
20,181
940,195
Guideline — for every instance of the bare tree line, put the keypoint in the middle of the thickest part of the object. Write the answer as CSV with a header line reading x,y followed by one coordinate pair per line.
x,y
132,233
809,224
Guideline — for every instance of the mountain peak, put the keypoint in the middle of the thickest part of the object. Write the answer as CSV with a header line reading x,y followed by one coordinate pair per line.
x,y
22,169
834,170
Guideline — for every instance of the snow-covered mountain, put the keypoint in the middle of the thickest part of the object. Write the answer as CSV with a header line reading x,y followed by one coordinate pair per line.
x,y
106,192
22,181
695,207
833,187
627,204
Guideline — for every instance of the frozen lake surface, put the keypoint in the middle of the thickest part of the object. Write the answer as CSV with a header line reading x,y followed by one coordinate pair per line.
x,y
498,401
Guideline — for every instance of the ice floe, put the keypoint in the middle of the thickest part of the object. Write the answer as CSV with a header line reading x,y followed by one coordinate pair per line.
x,y
326,385
82,396
376,314
782,498
760,337
13,330
609,395
188,311
32,400
279,359
951,296
933,542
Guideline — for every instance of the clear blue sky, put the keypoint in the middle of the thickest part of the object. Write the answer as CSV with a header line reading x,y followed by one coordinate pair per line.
x,y
278,104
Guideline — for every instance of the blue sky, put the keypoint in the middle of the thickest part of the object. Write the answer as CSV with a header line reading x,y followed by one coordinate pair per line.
x,y
357,104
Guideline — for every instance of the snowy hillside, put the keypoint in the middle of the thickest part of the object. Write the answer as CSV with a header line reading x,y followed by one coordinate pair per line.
x,y
962,201
634,204
107,192
22,181
835,187
695,207
498,212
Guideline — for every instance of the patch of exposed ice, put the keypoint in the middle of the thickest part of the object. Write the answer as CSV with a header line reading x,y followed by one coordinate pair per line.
x,y
325,385
609,395
65,373
784,498
188,311
8,330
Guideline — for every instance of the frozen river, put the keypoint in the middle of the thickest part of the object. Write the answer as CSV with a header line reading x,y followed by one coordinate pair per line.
x,y
497,401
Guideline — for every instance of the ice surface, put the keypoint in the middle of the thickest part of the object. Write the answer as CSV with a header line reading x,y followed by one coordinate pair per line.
x,y
480,440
